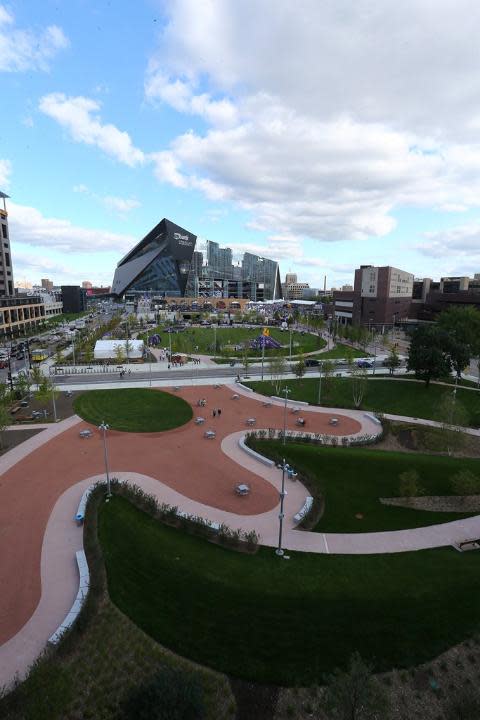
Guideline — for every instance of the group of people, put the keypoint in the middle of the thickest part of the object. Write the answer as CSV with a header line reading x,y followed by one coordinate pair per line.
x,y
216,411
124,372
196,361
202,402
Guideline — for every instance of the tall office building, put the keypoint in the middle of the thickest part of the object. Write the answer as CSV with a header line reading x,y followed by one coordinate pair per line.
x,y
219,261
6,270
263,272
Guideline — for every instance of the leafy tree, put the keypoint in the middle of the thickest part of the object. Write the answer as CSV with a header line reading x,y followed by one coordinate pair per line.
x,y
464,482
245,358
428,355
22,386
463,327
355,694
410,484
392,361
46,391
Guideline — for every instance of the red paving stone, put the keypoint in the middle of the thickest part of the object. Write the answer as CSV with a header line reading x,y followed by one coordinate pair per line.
x,y
180,458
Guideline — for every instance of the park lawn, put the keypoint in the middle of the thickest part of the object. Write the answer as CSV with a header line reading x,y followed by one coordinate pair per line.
x,y
190,338
133,409
285,622
397,397
340,352
352,480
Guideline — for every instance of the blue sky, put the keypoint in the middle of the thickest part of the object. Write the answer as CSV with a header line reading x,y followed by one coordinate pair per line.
x,y
325,139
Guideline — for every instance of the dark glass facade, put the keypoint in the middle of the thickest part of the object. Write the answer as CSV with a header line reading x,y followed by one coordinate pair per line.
x,y
160,263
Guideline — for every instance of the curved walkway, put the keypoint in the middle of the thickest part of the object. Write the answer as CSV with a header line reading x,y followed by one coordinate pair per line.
x,y
44,477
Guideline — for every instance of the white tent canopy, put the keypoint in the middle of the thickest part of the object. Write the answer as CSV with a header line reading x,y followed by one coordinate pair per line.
x,y
108,349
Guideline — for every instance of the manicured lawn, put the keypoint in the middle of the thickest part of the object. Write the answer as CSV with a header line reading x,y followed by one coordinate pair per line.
x,y
353,479
228,337
133,410
285,622
341,351
384,396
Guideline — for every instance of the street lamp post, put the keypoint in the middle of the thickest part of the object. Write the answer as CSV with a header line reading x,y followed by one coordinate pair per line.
x,y
53,401
320,370
279,551
286,391
263,353
104,427
290,344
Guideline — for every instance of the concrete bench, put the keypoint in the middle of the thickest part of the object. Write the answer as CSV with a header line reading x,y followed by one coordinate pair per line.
x,y
304,510
80,516
83,587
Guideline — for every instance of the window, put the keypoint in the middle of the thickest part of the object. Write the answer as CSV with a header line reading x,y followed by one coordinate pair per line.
x,y
7,259
4,231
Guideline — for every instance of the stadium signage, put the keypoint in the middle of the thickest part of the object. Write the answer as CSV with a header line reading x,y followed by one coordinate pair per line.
x,y
182,239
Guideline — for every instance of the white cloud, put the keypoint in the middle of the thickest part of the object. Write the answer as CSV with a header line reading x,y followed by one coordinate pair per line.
x,y
461,242
180,95
29,226
79,116
119,205
332,119
22,50
5,170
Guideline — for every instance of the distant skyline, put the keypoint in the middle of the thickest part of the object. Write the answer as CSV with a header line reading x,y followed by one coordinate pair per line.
x,y
324,135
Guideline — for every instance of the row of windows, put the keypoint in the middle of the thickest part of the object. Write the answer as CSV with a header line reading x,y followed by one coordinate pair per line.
x,y
4,231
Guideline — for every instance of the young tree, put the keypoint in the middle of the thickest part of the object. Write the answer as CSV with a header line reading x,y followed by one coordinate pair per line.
x,y
46,392
5,421
326,368
278,367
392,361
299,367
355,694
119,353
359,385
410,484
452,414
246,358
428,355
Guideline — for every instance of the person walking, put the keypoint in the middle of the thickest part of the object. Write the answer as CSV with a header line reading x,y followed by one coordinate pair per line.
x,y
214,412
219,412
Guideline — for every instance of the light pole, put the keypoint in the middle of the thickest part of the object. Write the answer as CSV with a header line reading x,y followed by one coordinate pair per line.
x,y
286,391
53,401
279,551
104,427
374,352
320,370
290,344
263,353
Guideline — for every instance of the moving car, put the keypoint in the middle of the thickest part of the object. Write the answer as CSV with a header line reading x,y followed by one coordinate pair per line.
x,y
311,362
365,363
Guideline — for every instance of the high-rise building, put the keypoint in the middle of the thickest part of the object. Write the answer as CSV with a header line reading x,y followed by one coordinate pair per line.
x,y
47,284
87,284
265,274
291,278
6,270
219,261
73,298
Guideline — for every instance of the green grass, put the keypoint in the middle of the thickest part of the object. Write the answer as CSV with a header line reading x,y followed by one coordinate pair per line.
x,y
133,410
285,621
384,396
341,351
227,337
353,479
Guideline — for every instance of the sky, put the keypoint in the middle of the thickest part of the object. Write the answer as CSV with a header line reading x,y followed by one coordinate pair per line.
x,y
322,133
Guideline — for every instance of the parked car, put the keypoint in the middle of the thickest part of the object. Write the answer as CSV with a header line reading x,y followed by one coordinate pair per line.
x,y
365,363
311,362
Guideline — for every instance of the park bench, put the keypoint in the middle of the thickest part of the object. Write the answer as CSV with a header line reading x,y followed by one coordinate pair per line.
x,y
80,516
251,421
242,489
15,409
83,587
25,418
86,433
210,434
304,510
199,420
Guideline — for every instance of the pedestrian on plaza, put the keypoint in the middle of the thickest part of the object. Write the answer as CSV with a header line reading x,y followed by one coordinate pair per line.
x,y
169,366
219,412
214,412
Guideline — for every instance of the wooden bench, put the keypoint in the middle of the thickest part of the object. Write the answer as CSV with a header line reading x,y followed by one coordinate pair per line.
x,y
15,409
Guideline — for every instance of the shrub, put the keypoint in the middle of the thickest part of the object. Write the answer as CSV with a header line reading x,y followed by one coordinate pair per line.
x,y
409,484
464,482
169,695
